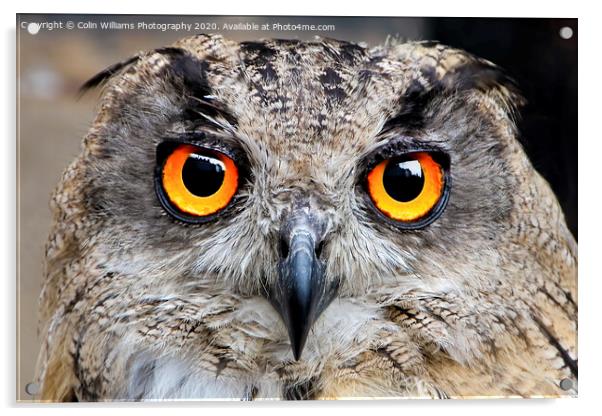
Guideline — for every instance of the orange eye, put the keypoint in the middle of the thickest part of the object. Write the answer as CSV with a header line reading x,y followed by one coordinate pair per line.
x,y
407,188
199,182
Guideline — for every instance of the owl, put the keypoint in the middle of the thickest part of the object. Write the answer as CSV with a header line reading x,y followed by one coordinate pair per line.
x,y
286,219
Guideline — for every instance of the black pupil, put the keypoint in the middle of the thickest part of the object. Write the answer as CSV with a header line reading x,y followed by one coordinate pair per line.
x,y
203,175
403,179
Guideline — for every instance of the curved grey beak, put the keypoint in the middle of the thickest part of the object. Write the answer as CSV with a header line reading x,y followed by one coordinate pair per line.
x,y
300,294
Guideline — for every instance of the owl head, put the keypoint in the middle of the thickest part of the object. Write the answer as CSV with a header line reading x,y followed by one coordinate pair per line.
x,y
302,172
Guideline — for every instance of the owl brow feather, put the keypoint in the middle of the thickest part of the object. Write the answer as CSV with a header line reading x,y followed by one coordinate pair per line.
x,y
412,105
225,125
192,71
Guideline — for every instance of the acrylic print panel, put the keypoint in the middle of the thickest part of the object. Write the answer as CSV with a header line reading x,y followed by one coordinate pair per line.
x,y
292,207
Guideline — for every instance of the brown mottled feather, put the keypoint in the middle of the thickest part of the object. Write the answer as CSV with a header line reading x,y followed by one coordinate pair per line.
x,y
138,306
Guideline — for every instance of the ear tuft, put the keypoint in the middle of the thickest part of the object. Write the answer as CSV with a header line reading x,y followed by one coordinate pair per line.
x,y
106,74
103,76
482,75
444,69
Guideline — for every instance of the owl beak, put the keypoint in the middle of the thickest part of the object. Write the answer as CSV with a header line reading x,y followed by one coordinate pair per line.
x,y
300,293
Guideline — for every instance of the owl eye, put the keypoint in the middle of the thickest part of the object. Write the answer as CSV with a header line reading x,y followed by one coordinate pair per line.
x,y
198,182
407,188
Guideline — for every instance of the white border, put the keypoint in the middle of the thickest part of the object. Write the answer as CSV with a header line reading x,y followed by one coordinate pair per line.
x,y
590,192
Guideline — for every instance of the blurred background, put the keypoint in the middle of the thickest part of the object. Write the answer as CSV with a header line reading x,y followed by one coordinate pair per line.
x,y
540,54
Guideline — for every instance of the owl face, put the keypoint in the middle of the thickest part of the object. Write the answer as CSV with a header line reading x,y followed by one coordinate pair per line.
x,y
302,172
